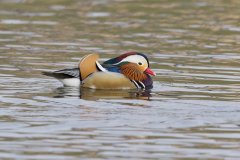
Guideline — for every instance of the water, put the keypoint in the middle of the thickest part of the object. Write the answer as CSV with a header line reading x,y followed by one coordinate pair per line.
x,y
191,113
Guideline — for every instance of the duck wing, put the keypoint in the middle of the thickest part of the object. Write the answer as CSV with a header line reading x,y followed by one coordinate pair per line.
x,y
88,66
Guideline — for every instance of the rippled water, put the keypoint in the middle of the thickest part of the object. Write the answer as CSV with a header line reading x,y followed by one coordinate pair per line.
x,y
191,113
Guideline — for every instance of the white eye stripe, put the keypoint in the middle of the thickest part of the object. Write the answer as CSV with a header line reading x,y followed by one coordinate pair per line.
x,y
135,59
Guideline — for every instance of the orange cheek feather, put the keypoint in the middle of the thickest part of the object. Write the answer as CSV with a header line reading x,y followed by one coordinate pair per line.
x,y
133,72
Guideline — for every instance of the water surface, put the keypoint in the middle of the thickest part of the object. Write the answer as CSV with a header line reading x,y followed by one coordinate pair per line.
x,y
191,113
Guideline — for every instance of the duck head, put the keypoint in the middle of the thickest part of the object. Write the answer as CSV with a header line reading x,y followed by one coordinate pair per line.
x,y
133,65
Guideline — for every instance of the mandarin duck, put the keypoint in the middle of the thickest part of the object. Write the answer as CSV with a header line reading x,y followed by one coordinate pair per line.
x,y
127,71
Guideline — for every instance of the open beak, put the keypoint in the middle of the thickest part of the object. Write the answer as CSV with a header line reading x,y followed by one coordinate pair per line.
x,y
150,72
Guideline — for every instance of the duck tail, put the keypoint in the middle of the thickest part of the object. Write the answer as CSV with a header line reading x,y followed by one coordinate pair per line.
x,y
63,74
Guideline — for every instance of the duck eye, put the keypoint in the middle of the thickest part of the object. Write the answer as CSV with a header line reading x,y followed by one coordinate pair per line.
x,y
140,63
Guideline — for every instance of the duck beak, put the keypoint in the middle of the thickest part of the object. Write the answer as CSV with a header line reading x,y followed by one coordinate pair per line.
x,y
150,72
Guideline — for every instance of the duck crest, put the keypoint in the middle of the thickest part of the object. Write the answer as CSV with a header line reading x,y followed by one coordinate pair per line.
x,y
126,55
119,58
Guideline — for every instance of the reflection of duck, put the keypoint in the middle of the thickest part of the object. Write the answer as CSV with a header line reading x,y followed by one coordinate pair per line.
x,y
93,94
127,71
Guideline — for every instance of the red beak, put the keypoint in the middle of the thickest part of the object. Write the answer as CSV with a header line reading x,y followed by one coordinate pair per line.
x,y
150,72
